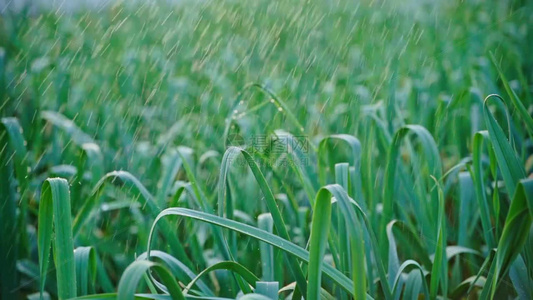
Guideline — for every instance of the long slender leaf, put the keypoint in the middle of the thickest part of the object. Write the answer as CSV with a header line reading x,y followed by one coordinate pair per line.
x,y
54,213
509,164
85,259
433,161
256,233
319,233
515,231
227,160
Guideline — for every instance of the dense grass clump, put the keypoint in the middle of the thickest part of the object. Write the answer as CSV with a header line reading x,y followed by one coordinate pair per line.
x,y
267,149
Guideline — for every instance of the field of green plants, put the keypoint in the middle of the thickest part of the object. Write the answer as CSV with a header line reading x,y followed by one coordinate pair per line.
x,y
268,150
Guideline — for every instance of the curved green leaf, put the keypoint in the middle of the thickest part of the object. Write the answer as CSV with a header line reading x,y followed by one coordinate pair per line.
x,y
432,157
132,275
250,278
178,269
147,200
256,233
481,196
85,259
510,166
229,157
54,212
319,233
13,164
410,264
515,231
